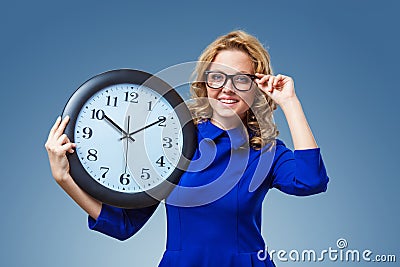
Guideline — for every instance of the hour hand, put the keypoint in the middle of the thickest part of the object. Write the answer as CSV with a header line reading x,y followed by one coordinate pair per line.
x,y
160,119
118,127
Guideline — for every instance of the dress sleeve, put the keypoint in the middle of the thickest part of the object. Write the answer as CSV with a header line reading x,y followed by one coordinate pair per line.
x,y
299,173
120,223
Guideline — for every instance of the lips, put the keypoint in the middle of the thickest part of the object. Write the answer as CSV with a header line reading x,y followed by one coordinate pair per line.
x,y
228,100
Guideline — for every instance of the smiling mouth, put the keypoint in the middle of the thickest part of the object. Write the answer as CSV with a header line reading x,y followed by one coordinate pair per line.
x,y
228,101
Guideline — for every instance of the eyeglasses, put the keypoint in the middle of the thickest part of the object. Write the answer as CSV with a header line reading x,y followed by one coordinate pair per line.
x,y
241,82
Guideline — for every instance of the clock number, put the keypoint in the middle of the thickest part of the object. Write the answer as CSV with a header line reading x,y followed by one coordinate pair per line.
x,y
160,161
92,154
145,175
162,120
105,172
124,179
149,106
99,114
109,102
87,132
168,142
133,96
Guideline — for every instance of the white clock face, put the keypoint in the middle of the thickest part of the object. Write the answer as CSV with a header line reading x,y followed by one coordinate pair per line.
x,y
128,138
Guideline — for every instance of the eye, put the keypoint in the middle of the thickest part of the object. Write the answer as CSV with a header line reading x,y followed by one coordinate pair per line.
x,y
242,79
216,77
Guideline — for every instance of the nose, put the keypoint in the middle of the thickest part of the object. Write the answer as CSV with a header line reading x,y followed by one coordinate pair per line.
x,y
228,87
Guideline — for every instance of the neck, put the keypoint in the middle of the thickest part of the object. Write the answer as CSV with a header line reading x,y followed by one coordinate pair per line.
x,y
227,124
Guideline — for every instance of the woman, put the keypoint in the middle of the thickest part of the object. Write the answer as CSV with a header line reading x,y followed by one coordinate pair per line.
x,y
214,214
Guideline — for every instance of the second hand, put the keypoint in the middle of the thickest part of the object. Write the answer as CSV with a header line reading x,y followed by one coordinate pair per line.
x,y
127,147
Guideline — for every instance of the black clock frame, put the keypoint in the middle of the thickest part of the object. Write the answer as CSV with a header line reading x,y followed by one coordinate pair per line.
x,y
80,175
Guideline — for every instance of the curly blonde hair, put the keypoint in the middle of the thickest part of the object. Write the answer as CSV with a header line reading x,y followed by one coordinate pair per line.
x,y
259,120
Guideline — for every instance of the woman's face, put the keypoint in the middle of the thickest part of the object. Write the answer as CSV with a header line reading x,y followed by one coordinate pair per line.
x,y
227,102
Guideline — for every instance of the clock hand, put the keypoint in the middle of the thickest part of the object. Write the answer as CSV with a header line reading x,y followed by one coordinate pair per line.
x,y
118,127
161,119
127,146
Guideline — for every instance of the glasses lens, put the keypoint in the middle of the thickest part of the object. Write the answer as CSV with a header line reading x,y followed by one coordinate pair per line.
x,y
215,79
242,82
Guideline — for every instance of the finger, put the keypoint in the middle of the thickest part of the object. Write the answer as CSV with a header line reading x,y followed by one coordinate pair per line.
x,y
260,75
270,82
63,139
55,126
262,80
68,147
287,79
69,141
61,127
279,78
266,78
268,93
284,81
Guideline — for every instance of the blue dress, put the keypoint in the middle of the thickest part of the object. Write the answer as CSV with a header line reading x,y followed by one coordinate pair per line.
x,y
214,215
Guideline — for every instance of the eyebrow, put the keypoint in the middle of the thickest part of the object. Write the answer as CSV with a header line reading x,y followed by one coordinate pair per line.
x,y
239,72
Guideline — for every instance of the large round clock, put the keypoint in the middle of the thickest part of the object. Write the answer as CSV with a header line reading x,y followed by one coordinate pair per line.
x,y
134,137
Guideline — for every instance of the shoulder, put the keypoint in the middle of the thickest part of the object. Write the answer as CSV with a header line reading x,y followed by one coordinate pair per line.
x,y
277,147
279,142
276,152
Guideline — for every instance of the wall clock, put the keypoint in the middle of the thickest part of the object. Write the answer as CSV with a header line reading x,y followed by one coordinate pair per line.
x,y
135,137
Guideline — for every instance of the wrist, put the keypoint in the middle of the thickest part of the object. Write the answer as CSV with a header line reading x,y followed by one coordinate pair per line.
x,y
290,103
64,180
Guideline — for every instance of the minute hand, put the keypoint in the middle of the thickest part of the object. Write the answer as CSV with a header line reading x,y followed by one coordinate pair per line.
x,y
117,127
162,119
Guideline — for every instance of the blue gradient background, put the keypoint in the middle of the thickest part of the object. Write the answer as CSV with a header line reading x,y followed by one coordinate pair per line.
x,y
343,56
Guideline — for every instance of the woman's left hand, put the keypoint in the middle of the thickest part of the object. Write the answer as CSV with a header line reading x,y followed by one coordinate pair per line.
x,y
280,87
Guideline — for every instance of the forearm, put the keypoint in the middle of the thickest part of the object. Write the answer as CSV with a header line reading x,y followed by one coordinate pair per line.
x,y
300,130
83,199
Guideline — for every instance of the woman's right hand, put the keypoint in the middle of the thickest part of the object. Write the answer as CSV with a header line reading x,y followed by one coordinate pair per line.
x,y
57,146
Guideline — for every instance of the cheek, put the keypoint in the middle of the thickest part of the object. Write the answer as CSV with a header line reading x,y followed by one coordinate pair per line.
x,y
212,93
248,99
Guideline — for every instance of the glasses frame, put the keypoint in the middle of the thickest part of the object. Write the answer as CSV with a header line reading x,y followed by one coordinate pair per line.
x,y
251,76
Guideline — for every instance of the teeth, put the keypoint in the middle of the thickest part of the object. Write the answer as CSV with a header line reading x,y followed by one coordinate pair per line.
x,y
228,101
